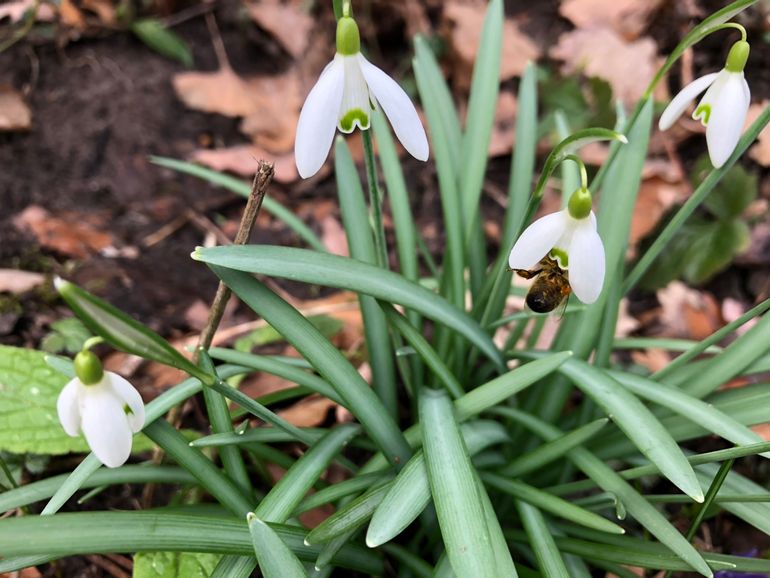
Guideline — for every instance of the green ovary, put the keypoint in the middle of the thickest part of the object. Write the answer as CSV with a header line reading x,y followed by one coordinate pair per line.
x,y
348,121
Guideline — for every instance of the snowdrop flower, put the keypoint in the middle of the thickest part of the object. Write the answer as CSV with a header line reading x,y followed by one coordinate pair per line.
x,y
349,89
104,406
569,236
723,108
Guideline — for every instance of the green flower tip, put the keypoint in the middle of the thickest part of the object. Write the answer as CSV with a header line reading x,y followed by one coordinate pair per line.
x,y
580,204
88,368
348,37
739,54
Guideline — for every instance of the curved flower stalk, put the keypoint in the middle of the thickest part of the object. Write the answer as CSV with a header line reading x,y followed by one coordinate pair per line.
x,y
568,236
723,108
104,407
348,90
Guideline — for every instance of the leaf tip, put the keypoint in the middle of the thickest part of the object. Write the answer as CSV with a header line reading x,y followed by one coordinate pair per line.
x,y
251,517
622,138
195,255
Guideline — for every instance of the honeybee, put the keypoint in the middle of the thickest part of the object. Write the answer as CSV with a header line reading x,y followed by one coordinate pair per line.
x,y
550,288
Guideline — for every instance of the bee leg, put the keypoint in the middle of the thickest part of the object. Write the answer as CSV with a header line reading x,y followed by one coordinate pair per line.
x,y
527,274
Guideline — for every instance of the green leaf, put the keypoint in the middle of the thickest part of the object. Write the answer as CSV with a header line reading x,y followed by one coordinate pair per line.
x,y
326,358
409,493
459,506
66,335
362,247
551,504
334,271
481,113
123,332
154,531
174,564
441,141
637,422
29,422
541,540
606,478
243,189
162,40
274,557
732,195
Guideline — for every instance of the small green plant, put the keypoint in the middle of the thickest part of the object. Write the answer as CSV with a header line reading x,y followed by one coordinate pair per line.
x,y
475,456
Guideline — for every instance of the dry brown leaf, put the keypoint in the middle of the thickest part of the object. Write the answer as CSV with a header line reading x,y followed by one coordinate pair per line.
x,y
222,92
465,21
504,129
629,18
653,359
760,152
242,160
71,15
656,197
333,236
16,10
627,66
31,572
70,235
14,112
287,22
309,412
16,281
688,313
104,9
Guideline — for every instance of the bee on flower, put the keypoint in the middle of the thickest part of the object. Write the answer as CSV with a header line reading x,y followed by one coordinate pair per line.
x,y
723,108
348,90
564,253
104,407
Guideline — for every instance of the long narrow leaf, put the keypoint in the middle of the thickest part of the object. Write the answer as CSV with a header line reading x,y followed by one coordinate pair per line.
x,y
274,557
458,503
335,271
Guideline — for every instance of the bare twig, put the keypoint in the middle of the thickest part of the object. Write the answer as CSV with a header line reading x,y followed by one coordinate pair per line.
x,y
262,180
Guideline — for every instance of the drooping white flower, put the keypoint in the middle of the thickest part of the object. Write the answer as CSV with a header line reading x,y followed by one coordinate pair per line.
x,y
108,411
723,108
573,242
348,90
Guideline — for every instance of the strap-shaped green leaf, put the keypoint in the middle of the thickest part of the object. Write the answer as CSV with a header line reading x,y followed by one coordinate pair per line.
x,y
452,481
335,271
275,558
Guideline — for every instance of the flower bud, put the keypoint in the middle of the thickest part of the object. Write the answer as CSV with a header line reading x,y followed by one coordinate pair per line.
x,y
348,37
88,368
580,204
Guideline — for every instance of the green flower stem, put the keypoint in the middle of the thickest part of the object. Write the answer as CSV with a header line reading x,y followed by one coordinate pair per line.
x,y
375,201
581,167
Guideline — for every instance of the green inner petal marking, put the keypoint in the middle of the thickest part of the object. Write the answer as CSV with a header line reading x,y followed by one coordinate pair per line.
x,y
560,256
703,112
348,121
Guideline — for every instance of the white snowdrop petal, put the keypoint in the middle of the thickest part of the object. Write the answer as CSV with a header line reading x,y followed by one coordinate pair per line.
x,y
127,394
727,117
536,240
105,426
318,119
679,103
67,408
398,108
587,263
705,107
